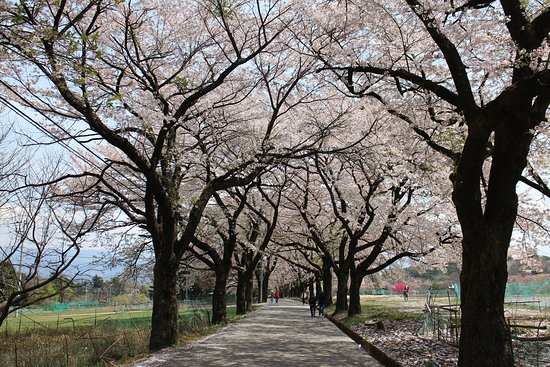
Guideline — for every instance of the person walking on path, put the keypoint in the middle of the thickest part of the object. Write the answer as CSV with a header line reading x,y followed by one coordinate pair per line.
x,y
312,304
277,296
321,302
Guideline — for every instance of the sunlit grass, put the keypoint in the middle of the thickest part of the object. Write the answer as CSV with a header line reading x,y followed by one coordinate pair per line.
x,y
376,310
74,319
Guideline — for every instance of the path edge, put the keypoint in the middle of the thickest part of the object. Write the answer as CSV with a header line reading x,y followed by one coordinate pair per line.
x,y
372,350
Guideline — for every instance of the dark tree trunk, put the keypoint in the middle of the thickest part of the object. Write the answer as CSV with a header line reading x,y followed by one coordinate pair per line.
x,y
327,282
265,287
244,291
354,307
249,287
259,285
485,338
241,293
164,322
263,283
219,301
342,291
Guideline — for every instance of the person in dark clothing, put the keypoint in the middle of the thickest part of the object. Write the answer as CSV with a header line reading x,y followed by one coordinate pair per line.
x,y
312,304
321,302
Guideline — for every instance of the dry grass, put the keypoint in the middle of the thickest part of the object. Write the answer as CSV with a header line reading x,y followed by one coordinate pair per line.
x,y
110,343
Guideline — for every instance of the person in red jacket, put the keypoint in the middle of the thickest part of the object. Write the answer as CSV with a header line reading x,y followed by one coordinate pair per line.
x,y
277,296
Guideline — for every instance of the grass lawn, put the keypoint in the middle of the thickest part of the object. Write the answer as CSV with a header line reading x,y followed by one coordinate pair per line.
x,y
30,320
96,337
376,308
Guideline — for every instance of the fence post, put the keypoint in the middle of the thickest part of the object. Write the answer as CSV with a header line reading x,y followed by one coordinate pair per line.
x,y
67,350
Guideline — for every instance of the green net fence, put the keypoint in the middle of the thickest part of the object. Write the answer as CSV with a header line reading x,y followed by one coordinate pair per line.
x,y
530,289
61,307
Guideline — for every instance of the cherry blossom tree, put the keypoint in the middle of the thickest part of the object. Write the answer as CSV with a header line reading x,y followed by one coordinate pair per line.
x,y
470,78
264,271
362,218
257,228
310,270
169,103
287,92
243,220
218,254
131,80
250,253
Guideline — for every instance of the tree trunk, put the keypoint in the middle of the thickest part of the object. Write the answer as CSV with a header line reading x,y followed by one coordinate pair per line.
x,y
485,338
164,321
219,302
342,291
249,287
244,292
241,293
265,287
354,294
327,282
263,283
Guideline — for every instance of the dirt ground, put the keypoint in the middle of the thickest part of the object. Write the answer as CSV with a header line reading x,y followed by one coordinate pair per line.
x,y
407,341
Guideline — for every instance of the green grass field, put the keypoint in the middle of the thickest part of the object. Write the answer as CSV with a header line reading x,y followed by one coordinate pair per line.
x,y
90,337
90,317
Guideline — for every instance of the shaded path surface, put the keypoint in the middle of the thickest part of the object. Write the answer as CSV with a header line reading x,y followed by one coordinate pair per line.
x,y
282,334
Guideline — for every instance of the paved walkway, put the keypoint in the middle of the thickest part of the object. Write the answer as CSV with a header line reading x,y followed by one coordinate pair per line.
x,y
282,334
